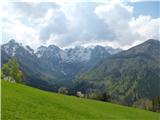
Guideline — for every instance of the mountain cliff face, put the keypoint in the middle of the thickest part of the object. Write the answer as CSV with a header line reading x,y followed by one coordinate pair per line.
x,y
129,75
51,64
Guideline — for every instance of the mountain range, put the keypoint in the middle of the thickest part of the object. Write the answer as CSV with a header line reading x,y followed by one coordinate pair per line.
x,y
127,76
47,65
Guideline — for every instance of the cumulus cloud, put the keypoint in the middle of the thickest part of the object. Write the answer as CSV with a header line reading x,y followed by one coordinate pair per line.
x,y
81,25
146,27
69,24
20,32
117,15
34,10
22,21
127,28
57,25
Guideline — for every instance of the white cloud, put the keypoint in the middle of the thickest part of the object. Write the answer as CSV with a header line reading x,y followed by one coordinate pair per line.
x,y
20,32
128,29
117,16
146,27
80,25
53,26
23,21
34,10
68,24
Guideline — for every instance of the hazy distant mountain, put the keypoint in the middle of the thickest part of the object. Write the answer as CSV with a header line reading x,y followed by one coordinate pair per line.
x,y
129,75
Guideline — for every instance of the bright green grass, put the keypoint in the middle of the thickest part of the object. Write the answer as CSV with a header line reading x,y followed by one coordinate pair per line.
x,y
20,102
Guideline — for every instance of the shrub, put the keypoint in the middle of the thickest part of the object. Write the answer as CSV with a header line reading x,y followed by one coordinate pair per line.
x,y
63,90
143,104
93,94
156,104
79,94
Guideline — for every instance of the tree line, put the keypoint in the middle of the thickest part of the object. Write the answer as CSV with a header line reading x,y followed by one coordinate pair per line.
x,y
151,105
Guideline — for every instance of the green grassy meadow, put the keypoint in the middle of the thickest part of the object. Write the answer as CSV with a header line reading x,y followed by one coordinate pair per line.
x,y
20,102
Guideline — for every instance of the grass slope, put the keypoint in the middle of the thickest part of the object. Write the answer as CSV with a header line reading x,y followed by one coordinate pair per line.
x,y
20,102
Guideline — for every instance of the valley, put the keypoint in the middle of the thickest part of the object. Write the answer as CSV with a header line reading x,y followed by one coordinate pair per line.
x,y
129,77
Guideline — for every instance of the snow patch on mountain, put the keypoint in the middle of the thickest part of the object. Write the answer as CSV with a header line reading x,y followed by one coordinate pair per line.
x,y
68,55
40,51
30,50
11,47
76,54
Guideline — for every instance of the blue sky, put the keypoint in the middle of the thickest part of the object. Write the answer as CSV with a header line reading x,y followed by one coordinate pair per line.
x,y
112,23
151,8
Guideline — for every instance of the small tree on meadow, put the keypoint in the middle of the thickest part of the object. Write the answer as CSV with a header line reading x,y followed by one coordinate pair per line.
x,y
11,69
